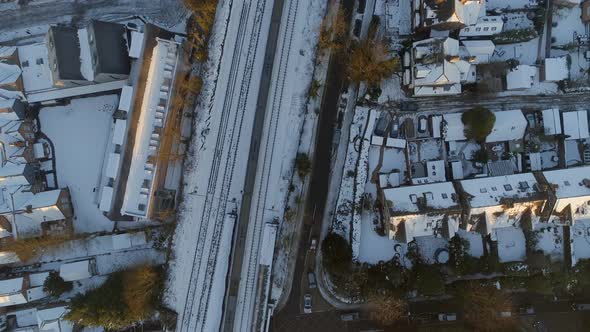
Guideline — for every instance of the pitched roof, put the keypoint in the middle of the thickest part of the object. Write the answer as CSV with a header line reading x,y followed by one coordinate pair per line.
x,y
67,51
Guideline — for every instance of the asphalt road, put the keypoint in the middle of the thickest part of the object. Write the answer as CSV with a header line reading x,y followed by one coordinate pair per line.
x,y
39,12
289,318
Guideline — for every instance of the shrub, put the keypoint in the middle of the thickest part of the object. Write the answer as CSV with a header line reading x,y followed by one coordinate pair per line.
x,y
302,164
125,298
336,254
372,62
55,285
479,123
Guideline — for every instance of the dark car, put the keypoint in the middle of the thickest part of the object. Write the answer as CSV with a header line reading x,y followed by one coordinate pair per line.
x,y
357,28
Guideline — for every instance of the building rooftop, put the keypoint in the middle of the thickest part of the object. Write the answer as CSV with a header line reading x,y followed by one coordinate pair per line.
x,y
570,182
111,45
575,124
67,49
509,125
491,191
412,199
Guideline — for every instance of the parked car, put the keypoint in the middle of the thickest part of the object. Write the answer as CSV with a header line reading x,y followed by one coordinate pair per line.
x,y
447,317
356,31
311,280
526,310
307,303
314,244
582,307
348,317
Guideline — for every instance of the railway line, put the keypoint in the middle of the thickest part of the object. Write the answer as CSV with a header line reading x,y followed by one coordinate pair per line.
x,y
248,293
223,181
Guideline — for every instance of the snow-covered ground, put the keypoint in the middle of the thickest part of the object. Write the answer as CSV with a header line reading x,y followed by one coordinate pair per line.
x,y
580,240
80,132
525,53
569,25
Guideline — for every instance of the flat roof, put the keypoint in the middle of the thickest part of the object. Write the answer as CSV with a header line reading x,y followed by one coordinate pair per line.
x,y
575,124
439,195
35,97
509,125
34,62
552,121
119,132
126,98
154,109
489,191
75,271
569,181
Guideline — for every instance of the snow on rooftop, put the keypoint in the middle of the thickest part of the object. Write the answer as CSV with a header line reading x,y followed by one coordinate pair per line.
x,y
436,195
120,131
85,55
570,182
509,125
136,44
126,98
511,244
38,279
34,61
521,77
9,286
575,124
482,50
106,199
113,165
54,94
36,293
153,113
489,191
75,271
80,152
51,319
269,237
556,69
552,121
9,73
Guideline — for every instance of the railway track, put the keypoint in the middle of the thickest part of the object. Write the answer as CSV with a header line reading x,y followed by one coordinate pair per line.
x,y
234,113
248,285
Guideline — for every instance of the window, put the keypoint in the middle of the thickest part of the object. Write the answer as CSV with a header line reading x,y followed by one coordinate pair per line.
x,y
466,29
40,61
493,28
483,190
141,207
485,19
445,196
494,189
477,29
486,29
507,187
146,184
25,63
523,185
567,183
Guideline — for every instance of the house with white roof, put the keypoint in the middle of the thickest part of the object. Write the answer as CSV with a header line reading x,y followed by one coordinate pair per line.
x,y
437,68
479,51
13,291
571,188
521,78
575,125
502,201
551,121
554,69
51,319
446,15
485,26
424,210
509,126
78,270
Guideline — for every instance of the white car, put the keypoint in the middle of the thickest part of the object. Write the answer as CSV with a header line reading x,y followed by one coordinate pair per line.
x,y
447,317
313,245
307,303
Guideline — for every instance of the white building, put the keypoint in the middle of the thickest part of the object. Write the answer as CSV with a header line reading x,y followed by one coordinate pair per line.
x,y
572,193
502,201
484,27
552,121
437,68
77,270
424,210
522,77
555,69
13,291
575,125
447,15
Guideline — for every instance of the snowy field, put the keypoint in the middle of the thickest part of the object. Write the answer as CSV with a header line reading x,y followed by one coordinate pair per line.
x,y
580,237
569,25
80,132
